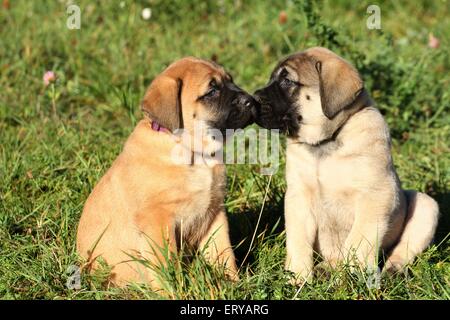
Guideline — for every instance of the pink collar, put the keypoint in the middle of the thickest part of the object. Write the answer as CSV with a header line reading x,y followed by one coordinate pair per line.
x,y
157,127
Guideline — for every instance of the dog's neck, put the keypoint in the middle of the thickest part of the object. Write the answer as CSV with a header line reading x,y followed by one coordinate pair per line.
x,y
156,126
196,157
362,101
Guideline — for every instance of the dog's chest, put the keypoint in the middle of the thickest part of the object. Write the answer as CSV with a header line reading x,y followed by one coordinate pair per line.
x,y
330,181
204,197
330,175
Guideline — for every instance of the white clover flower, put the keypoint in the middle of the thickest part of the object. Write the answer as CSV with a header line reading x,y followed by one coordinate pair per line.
x,y
146,13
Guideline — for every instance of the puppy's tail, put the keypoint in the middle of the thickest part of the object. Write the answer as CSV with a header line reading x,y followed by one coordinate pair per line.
x,y
420,226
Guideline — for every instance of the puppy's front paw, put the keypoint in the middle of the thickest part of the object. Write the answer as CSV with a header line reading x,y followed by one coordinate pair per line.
x,y
297,281
394,265
232,275
300,278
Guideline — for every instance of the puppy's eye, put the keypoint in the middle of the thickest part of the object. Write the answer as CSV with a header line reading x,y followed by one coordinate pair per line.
x,y
288,83
285,81
213,89
212,92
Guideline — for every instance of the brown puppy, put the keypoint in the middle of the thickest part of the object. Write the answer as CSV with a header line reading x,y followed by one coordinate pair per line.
x,y
148,199
344,198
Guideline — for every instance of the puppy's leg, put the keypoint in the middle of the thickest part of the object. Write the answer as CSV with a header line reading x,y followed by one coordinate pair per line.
x,y
216,245
368,230
420,226
155,242
301,230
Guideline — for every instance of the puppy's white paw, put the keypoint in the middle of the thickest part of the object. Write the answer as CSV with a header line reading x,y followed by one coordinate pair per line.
x,y
300,278
395,264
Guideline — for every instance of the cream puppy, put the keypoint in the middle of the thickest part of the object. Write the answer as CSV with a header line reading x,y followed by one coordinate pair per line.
x,y
344,199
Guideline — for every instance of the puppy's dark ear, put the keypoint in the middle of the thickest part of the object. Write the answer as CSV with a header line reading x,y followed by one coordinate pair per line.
x,y
162,102
340,84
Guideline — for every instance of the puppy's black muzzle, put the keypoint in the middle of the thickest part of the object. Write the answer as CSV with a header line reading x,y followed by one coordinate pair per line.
x,y
276,111
243,111
237,110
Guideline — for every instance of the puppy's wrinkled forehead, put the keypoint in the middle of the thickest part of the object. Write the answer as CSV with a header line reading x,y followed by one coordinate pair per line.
x,y
300,67
196,72
303,64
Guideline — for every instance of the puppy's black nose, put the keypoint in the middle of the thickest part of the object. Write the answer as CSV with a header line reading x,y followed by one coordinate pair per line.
x,y
246,101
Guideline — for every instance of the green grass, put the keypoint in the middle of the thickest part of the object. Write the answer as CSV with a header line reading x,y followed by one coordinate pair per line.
x,y
55,147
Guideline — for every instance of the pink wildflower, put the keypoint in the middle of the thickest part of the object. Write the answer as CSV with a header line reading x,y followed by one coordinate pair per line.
x,y
49,77
433,42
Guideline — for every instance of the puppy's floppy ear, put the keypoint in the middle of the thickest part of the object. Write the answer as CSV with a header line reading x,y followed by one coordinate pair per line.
x,y
340,84
162,102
